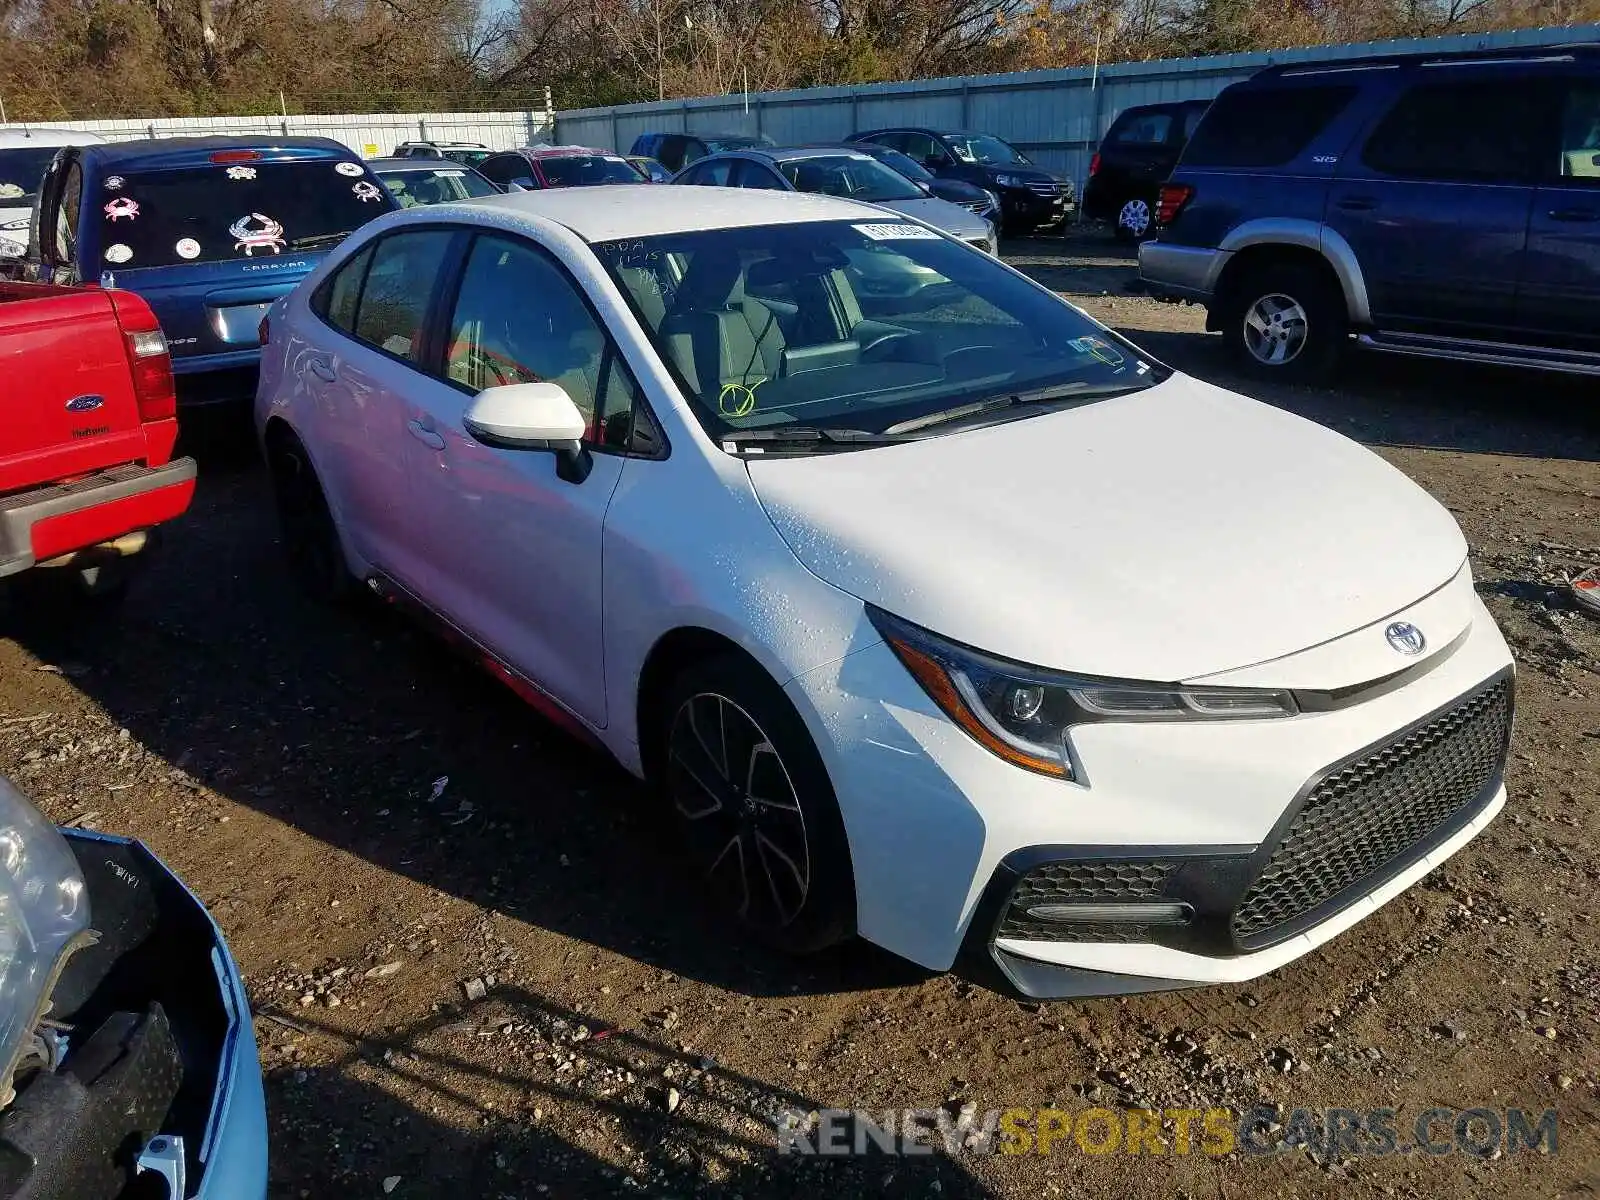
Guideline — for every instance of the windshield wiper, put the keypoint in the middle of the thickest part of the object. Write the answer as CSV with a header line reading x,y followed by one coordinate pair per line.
x,y
807,435
317,241
1041,396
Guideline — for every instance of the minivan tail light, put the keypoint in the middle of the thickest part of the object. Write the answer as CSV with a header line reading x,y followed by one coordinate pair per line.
x,y
1094,164
233,156
149,358
1174,196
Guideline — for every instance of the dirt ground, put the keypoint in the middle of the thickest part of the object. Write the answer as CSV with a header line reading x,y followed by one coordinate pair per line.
x,y
620,1040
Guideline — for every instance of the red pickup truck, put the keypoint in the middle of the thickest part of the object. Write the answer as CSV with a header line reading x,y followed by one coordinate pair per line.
x,y
88,422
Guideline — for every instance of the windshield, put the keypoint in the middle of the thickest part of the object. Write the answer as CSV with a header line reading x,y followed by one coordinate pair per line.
x,y
580,170
904,163
854,324
854,176
435,185
21,170
470,157
982,148
234,210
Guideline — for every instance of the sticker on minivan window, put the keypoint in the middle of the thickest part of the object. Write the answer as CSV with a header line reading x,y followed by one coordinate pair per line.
x,y
118,253
187,248
366,191
113,183
896,232
241,173
123,206
265,234
348,169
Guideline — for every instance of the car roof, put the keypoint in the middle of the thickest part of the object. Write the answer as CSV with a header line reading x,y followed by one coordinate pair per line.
x,y
180,152
1510,56
561,152
935,130
599,214
40,135
453,145
416,164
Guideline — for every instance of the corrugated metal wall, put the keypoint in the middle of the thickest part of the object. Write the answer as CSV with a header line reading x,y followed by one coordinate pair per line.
x,y
1057,117
367,135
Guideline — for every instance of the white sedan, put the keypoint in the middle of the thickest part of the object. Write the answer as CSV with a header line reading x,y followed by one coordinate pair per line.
x,y
937,612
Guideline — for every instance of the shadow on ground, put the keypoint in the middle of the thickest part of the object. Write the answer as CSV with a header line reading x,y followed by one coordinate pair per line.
x,y
490,1131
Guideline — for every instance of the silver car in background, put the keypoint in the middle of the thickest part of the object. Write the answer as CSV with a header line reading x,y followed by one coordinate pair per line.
x,y
848,174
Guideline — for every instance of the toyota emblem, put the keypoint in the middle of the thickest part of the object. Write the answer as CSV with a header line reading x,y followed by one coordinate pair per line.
x,y
1405,637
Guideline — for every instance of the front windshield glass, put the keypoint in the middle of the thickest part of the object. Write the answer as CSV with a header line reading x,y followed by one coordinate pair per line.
x,y
21,170
470,157
904,163
435,185
854,176
581,170
853,324
982,148
735,142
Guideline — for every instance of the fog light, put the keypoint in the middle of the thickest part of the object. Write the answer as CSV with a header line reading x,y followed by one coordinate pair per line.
x,y
1159,913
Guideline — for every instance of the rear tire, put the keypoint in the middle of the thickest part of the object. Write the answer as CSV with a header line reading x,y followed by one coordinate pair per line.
x,y
1286,321
1136,219
752,798
310,538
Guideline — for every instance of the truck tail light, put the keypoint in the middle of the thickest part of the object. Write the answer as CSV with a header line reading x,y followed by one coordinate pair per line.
x,y
1094,164
149,358
1173,198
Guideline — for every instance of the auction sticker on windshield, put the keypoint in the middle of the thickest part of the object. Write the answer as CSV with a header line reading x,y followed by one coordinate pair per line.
x,y
896,232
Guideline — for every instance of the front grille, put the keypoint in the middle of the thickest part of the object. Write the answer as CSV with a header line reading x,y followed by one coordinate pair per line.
x,y
1366,822
1081,882
976,206
1045,187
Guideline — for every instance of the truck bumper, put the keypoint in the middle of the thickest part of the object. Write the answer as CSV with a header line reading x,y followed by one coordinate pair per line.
x,y
1180,272
51,521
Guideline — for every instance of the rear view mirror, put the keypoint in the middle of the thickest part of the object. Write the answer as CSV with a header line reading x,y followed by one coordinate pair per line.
x,y
532,416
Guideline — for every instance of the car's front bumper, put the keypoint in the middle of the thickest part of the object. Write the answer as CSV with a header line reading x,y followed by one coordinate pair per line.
x,y
1024,206
937,824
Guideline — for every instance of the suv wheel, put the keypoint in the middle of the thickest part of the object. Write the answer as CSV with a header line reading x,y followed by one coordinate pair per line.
x,y
753,799
1135,218
1287,322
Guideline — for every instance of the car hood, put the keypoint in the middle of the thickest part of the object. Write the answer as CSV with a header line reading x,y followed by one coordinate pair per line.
x,y
941,214
1167,535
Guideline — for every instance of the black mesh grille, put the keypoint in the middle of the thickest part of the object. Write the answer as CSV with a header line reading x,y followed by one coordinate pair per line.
x,y
1081,883
1378,815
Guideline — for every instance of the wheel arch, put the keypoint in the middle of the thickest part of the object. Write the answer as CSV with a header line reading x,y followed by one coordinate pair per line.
x,y
673,653
1278,238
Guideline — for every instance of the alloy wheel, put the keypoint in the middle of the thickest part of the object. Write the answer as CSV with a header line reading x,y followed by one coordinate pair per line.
x,y
737,800
1275,329
1135,217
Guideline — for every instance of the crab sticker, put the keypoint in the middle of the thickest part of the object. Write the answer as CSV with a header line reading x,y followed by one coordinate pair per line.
x,y
366,191
265,234
241,172
349,169
121,207
114,183
118,253
187,248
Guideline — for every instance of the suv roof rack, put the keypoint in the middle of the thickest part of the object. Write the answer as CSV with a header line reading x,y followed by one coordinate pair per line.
x,y
1511,55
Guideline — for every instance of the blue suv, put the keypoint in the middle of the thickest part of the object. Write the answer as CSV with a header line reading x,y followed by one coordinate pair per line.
x,y
209,230
1441,206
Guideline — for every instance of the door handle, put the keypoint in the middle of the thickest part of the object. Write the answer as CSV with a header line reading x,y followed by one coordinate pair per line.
x,y
426,436
1357,203
323,369
1574,214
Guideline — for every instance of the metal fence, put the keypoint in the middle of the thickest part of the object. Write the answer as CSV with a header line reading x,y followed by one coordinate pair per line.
x,y
369,135
1057,117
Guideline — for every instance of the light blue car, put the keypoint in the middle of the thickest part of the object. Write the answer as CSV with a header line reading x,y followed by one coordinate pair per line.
x,y
126,1047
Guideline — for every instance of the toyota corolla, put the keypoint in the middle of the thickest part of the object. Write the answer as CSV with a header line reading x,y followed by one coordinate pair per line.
x,y
936,612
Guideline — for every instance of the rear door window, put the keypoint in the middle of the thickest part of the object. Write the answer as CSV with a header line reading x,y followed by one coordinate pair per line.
x,y
233,211
1263,126
397,288
1484,131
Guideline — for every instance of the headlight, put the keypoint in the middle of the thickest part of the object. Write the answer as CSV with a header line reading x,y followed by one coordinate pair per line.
x,y
44,917
1024,714
1009,181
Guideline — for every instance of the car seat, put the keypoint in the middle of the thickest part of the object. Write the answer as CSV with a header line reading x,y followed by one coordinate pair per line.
x,y
714,332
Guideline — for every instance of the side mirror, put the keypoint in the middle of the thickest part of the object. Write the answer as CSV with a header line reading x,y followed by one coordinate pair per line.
x,y
532,416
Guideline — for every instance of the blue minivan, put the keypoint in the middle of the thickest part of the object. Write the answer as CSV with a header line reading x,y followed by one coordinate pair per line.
x,y
209,230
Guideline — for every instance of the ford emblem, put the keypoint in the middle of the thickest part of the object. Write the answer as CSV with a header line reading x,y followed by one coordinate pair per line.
x,y
81,404
1405,637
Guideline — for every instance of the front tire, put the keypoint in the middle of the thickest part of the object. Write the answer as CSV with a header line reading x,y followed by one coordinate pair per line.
x,y
1287,322
755,806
